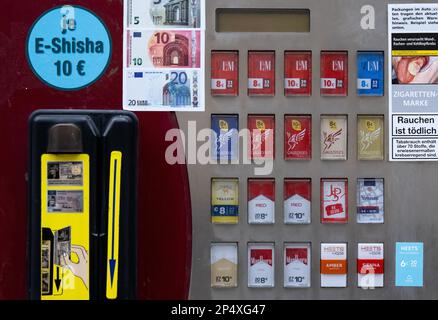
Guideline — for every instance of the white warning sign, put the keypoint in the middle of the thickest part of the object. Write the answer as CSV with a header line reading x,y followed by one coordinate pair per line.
x,y
413,89
414,137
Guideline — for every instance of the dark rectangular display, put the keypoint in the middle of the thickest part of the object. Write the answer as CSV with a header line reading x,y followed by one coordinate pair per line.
x,y
262,20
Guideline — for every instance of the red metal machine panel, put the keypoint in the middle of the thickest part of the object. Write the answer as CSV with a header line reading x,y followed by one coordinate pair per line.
x,y
164,249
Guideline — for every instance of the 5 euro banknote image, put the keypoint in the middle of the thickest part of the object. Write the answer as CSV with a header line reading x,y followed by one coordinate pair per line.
x,y
163,13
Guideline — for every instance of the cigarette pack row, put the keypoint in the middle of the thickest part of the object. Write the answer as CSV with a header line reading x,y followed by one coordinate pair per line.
x,y
297,200
297,265
297,137
297,73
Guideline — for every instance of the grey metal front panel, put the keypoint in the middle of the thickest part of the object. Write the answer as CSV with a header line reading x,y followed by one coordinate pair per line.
x,y
410,201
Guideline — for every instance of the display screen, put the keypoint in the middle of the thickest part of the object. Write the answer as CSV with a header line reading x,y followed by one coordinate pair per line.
x,y
262,20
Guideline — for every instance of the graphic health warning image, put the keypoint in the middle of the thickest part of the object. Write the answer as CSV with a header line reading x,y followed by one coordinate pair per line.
x,y
414,69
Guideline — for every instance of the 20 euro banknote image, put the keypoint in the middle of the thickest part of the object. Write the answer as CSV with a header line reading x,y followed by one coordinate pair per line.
x,y
164,49
161,89
163,13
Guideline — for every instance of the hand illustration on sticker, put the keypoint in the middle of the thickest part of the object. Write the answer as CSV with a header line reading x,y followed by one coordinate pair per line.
x,y
80,268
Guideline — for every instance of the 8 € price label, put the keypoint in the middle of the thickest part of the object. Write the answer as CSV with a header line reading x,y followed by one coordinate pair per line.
x,y
68,47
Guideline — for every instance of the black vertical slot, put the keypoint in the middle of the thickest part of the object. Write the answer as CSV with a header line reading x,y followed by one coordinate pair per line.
x,y
120,134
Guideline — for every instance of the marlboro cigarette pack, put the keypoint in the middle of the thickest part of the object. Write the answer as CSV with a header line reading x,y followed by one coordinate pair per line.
x,y
261,201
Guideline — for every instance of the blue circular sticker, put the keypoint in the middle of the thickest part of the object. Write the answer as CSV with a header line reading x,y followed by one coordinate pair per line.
x,y
68,47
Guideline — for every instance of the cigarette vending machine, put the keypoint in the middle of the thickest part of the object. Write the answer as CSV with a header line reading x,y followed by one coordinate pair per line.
x,y
286,149
319,87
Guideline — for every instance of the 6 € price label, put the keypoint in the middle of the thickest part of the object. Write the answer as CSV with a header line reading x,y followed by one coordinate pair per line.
x,y
68,47
409,264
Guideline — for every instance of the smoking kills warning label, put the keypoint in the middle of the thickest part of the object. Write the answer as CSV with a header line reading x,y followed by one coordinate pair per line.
x,y
414,137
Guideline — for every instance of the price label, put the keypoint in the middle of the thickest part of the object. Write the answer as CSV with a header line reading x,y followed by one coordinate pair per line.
x,y
328,83
218,84
292,83
255,83
364,83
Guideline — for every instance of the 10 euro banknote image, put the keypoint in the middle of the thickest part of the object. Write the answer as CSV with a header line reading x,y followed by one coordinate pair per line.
x,y
164,49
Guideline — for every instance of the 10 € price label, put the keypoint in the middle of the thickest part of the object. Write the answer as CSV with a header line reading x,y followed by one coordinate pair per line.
x,y
68,47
